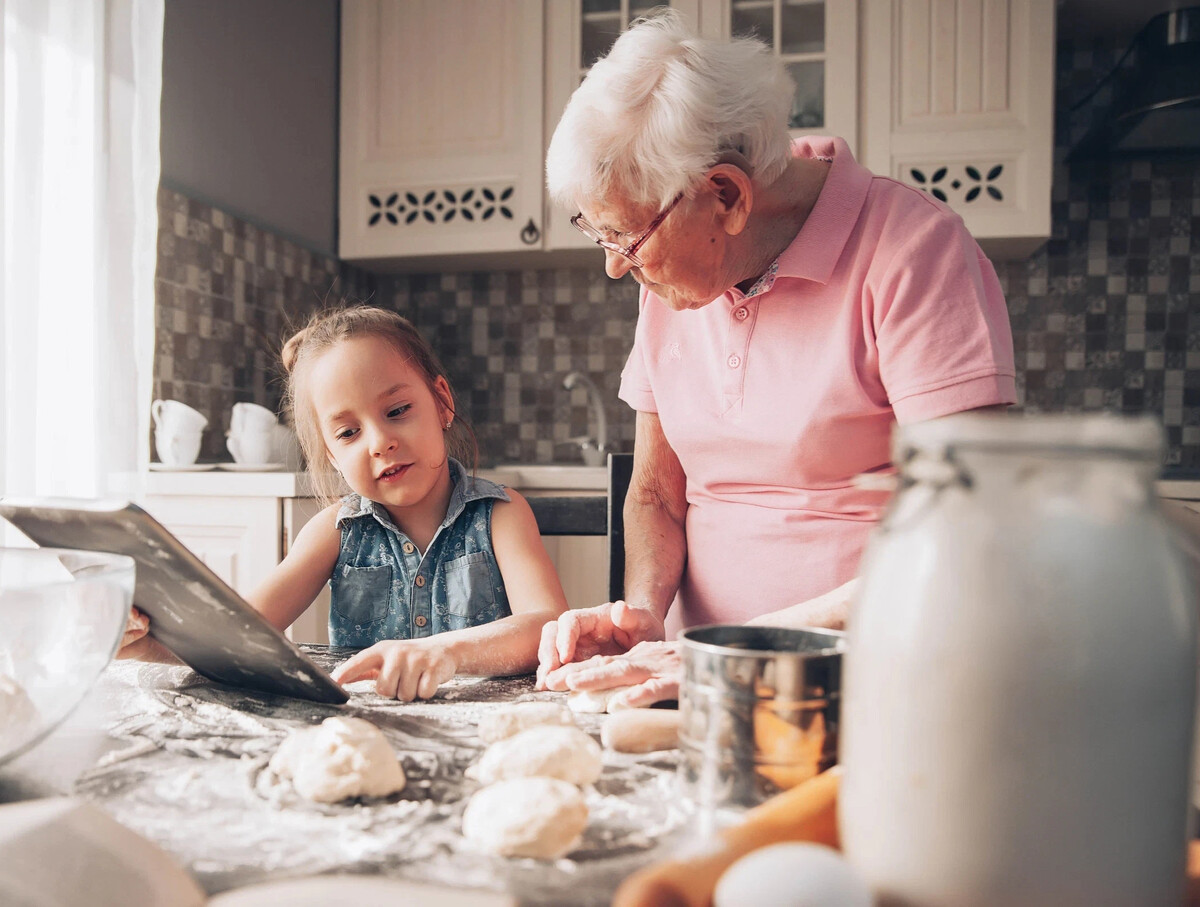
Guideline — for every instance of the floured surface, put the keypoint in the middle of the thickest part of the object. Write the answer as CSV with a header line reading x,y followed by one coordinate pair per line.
x,y
190,773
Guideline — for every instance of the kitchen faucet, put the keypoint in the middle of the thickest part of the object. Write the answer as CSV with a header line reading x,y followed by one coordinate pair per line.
x,y
594,449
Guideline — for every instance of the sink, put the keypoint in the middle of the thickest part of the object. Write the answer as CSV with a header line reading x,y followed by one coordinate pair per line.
x,y
543,476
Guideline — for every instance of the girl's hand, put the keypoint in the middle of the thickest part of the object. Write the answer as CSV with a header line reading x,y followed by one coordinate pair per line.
x,y
136,645
404,669
137,625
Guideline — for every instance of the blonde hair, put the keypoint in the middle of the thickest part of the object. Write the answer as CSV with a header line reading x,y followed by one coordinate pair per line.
x,y
659,110
326,330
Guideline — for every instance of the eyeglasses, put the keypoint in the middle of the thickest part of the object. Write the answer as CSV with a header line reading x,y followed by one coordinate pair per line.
x,y
629,252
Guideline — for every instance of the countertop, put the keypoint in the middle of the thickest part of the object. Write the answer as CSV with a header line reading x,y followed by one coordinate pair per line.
x,y
522,476
183,762
279,484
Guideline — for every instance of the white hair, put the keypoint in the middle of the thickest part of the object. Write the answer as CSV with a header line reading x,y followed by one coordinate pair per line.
x,y
655,114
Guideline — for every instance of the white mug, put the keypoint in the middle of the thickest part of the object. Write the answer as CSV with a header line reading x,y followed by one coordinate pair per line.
x,y
252,447
250,417
173,417
177,448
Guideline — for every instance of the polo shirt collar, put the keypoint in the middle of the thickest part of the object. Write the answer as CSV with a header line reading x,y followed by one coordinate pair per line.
x,y
815,251
466,489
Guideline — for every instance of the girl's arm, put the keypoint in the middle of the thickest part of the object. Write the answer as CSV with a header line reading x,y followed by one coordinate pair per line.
x,y
410,669
295,583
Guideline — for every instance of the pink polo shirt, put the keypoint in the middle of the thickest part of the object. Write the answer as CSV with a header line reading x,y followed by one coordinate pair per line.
x,y
883,309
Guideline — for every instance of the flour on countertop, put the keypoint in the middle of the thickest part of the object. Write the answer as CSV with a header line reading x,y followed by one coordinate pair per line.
x,y
190,772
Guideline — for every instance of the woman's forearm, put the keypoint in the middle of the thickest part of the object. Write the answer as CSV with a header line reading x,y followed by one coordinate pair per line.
x,y
828,611
655,555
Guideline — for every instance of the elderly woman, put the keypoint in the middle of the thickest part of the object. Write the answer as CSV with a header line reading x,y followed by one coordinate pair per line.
x,y
793,308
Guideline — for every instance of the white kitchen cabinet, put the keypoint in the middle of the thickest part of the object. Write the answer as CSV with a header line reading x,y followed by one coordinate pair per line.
x,y
817,40
957,100
442,145
241,538
447,107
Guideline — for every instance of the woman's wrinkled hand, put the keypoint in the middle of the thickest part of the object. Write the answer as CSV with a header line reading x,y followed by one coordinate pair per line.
x,y
652,669
609,629
404,669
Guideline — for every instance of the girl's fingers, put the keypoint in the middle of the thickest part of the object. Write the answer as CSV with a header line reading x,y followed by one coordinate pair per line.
x,y
387,684
428,683
360,666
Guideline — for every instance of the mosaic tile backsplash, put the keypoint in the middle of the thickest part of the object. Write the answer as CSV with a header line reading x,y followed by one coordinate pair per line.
x,y
226,292
1106,316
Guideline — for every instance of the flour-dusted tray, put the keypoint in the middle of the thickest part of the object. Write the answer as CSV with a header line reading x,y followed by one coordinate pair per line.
x,y
187,766
192,611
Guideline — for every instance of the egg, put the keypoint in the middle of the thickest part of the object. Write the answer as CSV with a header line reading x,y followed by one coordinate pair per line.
x,y
792,875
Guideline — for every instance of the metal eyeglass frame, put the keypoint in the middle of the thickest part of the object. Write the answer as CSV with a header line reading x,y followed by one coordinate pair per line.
x,y
628,252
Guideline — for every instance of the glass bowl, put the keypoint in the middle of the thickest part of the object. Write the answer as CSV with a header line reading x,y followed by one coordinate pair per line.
x,y
62,615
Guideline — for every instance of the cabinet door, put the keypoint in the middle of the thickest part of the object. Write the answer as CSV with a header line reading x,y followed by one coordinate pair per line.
x,y
958,101
579,32
313,625
237,538
817,40
441,132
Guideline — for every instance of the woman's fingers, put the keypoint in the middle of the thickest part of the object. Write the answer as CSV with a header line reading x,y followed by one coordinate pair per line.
x,y
604,672
591,626
547,653
656,689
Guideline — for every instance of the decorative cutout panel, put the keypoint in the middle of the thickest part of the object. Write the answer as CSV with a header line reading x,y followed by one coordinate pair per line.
x,y
402,207
963,185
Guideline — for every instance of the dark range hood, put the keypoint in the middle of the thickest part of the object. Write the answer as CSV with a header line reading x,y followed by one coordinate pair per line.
x,y
1155,110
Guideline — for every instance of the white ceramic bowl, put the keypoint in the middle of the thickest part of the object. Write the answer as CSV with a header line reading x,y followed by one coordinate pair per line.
x,y
62,615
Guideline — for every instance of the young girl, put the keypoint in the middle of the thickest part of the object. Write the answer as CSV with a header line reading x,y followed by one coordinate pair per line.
x,y
436,571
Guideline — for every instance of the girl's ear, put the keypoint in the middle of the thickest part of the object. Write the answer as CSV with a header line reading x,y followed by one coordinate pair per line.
x,y
445,399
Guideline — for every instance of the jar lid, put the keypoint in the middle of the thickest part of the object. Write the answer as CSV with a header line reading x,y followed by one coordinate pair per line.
x,y
1092,433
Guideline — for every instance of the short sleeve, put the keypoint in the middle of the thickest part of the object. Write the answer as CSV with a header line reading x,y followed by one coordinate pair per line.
x,y
942,328
635,377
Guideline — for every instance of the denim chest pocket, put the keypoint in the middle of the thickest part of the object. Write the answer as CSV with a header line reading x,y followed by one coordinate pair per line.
x,y
363,596
468,588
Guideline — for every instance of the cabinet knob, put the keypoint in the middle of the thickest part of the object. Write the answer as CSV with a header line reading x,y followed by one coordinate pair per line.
x,y
530,234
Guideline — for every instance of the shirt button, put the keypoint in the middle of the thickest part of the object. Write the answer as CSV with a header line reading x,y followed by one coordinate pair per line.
x,y
740,313
409,548
420,620
735,361
420,581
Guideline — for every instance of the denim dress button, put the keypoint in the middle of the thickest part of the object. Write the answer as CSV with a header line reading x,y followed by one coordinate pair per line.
x,y
409,547
420,581
420,620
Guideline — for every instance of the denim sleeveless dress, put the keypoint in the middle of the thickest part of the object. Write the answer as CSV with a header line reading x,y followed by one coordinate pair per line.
x,y
383,587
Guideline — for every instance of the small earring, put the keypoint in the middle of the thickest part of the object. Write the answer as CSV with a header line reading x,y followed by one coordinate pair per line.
x,y
448,423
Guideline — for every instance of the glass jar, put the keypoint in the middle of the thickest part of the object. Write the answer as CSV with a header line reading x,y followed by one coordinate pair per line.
x,y
1020,671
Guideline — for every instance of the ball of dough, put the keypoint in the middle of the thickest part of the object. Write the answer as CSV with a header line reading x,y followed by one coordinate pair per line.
x,y
566,753
339,759
597,701
542,818
790,874
521,716
18,714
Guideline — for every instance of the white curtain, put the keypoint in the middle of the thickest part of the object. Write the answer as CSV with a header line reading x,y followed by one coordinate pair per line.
x,y
81,85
